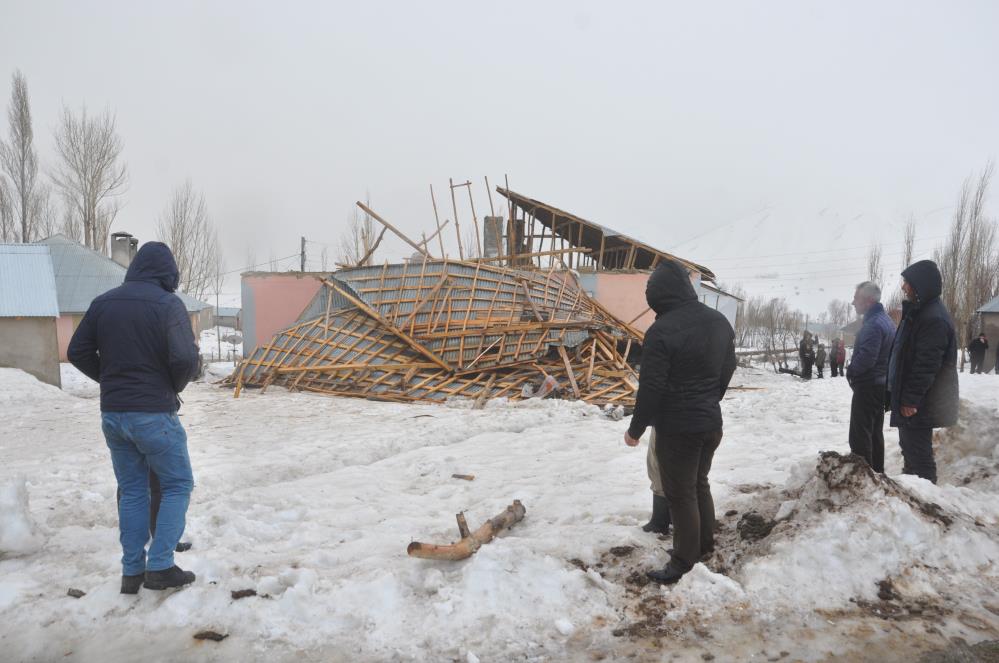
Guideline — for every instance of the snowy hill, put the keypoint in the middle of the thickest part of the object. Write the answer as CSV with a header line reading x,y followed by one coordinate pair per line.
x,y
809,256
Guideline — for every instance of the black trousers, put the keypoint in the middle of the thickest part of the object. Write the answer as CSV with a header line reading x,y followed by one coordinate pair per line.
x,y
154,500
684,462
818,367
867,421
833,368
806,369
917,452
977,363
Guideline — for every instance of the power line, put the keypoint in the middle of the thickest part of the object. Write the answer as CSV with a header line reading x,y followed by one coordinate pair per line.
x,y
764,266
808,253
801,275
260,264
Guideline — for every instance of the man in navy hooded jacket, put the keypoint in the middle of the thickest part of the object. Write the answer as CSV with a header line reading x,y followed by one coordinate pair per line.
x,y
688,358
136,341
922,371
867,373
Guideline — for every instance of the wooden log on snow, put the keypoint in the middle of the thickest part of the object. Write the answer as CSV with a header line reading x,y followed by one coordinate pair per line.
x,y
469,542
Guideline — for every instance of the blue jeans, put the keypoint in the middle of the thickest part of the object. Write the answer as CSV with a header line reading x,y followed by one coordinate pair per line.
x,y
139,442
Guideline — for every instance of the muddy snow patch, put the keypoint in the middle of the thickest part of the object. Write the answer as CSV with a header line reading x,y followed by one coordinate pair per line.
x,y
968,454
850,528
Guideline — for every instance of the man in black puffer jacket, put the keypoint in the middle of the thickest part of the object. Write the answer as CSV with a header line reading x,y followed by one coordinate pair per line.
x,y
977,350
688,358
922,371
136,340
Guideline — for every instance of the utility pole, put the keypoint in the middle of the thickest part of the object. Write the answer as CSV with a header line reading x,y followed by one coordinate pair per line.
x,y
218,337
303,254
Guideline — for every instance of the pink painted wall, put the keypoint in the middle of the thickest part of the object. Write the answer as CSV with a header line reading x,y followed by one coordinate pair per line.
x,y
623,295
65,326
273,301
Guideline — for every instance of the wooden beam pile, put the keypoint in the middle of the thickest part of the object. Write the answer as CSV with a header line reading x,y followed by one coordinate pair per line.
x,y
436,329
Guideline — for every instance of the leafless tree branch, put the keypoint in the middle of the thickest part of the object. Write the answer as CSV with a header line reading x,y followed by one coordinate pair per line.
x,y
187,229
358,239
19,159
90,172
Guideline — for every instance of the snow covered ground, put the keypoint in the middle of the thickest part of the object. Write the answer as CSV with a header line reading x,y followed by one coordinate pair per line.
x,y
216,343
311,502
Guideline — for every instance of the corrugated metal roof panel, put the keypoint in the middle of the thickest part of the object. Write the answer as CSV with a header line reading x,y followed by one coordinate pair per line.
x,y
27,286
82,274
991,307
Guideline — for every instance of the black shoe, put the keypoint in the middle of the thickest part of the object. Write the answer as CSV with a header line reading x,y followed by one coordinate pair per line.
x,y
167,578
668,575
660,522
183,546
131,584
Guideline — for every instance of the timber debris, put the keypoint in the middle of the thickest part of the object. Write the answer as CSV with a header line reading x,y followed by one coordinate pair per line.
x,y
430,330
470,541
509,319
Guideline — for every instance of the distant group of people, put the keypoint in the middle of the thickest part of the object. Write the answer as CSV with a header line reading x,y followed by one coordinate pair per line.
x,y
688,358
812,354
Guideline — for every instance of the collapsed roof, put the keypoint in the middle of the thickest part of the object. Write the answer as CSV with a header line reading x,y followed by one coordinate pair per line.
x,y
436,329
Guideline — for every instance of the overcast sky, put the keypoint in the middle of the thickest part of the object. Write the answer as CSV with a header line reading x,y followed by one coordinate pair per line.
x,y
663,120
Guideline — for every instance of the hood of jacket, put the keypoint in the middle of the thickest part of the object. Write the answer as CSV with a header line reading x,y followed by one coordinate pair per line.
x,y
924,277
154,263
668,287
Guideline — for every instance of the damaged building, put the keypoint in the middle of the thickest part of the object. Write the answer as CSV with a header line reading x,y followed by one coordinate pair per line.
x,y
553,302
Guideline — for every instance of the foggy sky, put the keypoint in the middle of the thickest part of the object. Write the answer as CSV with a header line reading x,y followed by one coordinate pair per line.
x,y
662,120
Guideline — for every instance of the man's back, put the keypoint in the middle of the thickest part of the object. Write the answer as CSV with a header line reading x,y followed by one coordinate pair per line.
x,y
136,339
700,340
687,359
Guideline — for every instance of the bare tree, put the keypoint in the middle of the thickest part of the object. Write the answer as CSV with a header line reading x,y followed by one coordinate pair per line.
x,y
187,229
979,255
743,332
839,313
948,256
471,244
780,327
968,261
45,213
894,290
71,226
875,273
909,241
769,325
357,240
8,227
19,158
90,173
